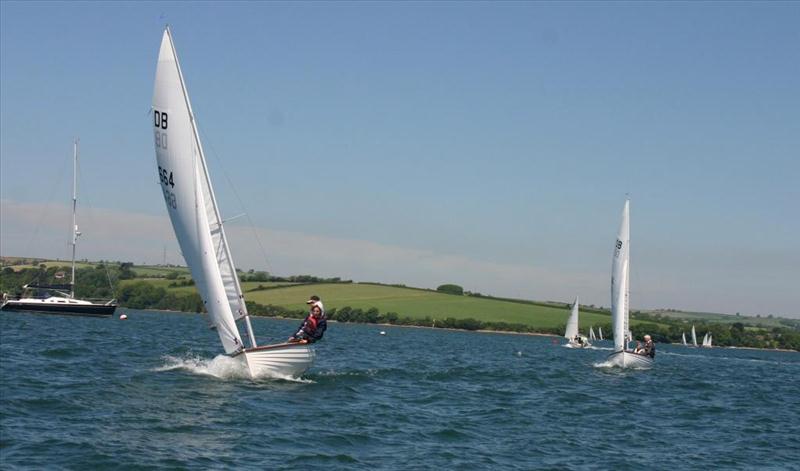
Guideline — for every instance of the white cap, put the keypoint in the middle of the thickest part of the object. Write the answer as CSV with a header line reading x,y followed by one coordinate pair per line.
x,y
318,303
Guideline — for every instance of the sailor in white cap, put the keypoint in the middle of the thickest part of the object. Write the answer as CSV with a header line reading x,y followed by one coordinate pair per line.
x,y
313,327
315,301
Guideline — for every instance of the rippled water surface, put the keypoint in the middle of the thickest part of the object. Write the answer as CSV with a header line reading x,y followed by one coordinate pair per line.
x,y
153,392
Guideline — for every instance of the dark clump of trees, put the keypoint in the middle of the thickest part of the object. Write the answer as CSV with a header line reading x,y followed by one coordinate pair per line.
x,y
144,295
96,282
450,289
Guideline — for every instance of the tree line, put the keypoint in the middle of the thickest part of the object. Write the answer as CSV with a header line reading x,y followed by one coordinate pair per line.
x,y
99,282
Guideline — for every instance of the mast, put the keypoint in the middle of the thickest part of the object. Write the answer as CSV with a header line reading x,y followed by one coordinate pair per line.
x,y
75,232
217,215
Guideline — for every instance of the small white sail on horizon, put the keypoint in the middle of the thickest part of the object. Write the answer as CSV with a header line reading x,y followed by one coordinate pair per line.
x,y
707,340
571,332
600,331
620,302
572,322
694,337
683,335
591,334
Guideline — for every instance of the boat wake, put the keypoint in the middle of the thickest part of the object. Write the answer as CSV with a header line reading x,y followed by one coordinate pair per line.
x,y
611,365
592,347
221,366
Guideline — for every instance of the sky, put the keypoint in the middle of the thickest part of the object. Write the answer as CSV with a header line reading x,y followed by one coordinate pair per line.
x,y
490,145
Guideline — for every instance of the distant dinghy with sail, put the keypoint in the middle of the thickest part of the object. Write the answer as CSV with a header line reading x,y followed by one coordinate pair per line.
x,y
623,356
64,302
198,225
571,333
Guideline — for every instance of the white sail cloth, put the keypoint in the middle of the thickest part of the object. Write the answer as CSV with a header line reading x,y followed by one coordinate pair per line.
x,y
620,281
190,199
572,323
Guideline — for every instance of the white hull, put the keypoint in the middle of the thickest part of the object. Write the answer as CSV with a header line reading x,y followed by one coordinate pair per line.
x,y
281,360
60,305
627,359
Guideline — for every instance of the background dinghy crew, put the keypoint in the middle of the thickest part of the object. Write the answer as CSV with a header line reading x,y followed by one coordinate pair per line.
x,y
648,349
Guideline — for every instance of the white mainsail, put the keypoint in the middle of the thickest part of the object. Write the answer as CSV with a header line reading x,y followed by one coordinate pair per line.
x,y
600,332
572,323
694,337
620,300
190,200
591,333
683,335
707,340
619,282
199,228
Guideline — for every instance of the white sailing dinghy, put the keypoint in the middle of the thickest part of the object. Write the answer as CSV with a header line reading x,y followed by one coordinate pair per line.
x,y
600,331
198,226
575,339
623,356
707,340
591,334
694,337
683,335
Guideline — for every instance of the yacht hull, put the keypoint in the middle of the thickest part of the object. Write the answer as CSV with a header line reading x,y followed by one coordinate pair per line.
x,y
94,310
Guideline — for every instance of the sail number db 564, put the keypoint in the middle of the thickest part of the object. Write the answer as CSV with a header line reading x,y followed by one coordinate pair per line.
x,y
161,122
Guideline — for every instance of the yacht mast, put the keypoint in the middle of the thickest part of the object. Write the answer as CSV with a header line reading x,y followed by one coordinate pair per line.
x,y
75,232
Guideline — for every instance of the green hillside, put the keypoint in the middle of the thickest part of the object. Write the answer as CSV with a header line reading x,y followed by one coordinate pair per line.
x,y
171,288
419,304
766,321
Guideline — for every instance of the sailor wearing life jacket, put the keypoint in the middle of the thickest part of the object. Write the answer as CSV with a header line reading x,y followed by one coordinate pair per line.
x,y
313,327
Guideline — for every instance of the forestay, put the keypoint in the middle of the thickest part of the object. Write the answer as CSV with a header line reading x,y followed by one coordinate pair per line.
x,y
190,199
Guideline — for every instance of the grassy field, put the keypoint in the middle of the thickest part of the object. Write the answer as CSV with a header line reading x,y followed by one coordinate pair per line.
x,y
419,304
164,283
767,322
406,302
53,263
148,271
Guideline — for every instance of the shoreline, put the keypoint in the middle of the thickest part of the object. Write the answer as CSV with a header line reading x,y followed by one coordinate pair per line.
x,y
482,331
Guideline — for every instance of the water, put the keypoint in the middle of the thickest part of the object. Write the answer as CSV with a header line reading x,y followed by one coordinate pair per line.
x,y
151,392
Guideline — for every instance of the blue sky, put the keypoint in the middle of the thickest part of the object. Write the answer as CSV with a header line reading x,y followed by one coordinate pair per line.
x,y
486,144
